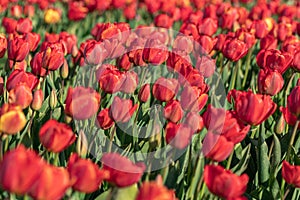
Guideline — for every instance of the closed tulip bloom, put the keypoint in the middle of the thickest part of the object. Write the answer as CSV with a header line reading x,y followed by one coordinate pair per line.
x,y
290,173
208,26
129,82
17,48
155,52
252,108
193,99
53,56
234,49
20,76
77,11
56,136
9,24
21,95
3,45
173,111
194,121
19,169
124,63
24,25
95,53
289,117
36,65
52,16
104,120
51,184
82,103
70,41
163,20
122,171
110,79
273,59
224,183
121,110
84,174
12,119
33,39
217,147
293,101
269,82
165,89
38,98
144,93
178,135
268,42
155,190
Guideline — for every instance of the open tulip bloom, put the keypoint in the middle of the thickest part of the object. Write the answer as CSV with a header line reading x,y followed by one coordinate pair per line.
x,y
149,100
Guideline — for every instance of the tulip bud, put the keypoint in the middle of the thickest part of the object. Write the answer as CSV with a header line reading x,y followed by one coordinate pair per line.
x,y
144,93
64,70
81,144
21,95
74,51
280,125
173,111
104,120
53,99
38,98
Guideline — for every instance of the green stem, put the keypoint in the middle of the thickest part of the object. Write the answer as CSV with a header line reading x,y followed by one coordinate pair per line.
x,y
234,75
247,67
292,140
112,135
229,160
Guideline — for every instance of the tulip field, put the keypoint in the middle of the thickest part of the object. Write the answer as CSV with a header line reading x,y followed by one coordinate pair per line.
x,y
149,99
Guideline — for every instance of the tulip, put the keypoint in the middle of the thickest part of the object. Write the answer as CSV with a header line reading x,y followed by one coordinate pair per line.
x,y
52,183
38,98
144,93
104,120
53,57
192,99
12,119
163,20
269,82
129,82
178,135
155,190
53,99
19,169
121,110
9,24
77,11
95,52
206,44
70,41
165,89
268,42
82,103
208,26
289,117
194,121
293,101
155,52
33,39
290,173
24,25
234,49
17,48
122,172
124,62
224,183
3,45
252,108
274,59
20,76
217,147
21,95
16,11
52,16
173,111
84,174
56,136
36,65
110,80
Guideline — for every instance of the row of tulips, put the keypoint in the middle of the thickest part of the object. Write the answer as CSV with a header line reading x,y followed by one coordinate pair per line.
x,y
60,100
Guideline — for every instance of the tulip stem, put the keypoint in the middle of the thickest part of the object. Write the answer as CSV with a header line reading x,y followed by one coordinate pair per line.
x,y
247,67
234,75
112,135
292,140
229,160
288,87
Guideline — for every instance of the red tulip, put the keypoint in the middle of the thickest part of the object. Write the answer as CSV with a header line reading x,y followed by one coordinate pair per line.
x,y
38,98
95,53
53,56
56,136
12,119
193,99
33,39
20,76
293,101
104,120
82,103
269,82
122,171
9,24
173,111
121,110
144,93
77,11
290,173
252,108
268,42
52,183
163,20
208,26
3,45
24,25
178,135
84,174
17,48
21,95
224,183
274,59
70,41
194,121
155,52
19,169
129,82
217,147
289,117
234,49
110,79
165,89
36,65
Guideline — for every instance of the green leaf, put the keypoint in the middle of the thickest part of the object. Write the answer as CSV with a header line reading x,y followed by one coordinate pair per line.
x,y
244,160
276,154
128,193
104,195
263,163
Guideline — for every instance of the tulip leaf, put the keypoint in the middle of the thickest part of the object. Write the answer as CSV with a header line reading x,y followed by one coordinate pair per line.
x,y
263,163
243,163
128,193
276,153
104,195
